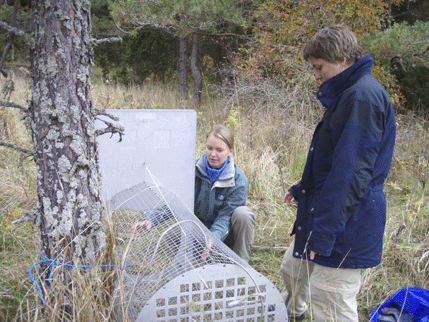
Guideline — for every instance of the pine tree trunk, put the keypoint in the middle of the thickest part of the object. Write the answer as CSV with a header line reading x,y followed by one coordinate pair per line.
x,y
183,74
11,37
196,69
62,124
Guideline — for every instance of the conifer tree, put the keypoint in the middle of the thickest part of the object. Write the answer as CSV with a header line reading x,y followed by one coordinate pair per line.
x,y
61,118
186,20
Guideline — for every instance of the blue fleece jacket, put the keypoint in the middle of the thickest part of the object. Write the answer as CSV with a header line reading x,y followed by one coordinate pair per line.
x,y
215,202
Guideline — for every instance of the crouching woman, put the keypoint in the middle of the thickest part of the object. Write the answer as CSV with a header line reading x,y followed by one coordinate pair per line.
x,y
221,194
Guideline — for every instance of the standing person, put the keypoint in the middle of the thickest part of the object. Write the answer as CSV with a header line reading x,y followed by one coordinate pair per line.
x,y
220,195
341,204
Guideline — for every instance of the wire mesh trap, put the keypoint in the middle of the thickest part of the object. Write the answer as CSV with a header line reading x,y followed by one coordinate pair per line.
x,y
180,272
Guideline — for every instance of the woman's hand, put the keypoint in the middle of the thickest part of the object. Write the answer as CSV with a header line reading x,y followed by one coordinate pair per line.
x,y
142,224
288,199
207,250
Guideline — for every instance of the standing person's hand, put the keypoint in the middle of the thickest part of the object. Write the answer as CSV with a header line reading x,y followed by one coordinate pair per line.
x,y
142,224
288,199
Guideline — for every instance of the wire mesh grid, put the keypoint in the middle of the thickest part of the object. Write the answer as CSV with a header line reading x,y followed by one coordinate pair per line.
x,y
170,278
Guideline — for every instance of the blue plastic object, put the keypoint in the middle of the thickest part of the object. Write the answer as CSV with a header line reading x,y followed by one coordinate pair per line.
x,y
413,300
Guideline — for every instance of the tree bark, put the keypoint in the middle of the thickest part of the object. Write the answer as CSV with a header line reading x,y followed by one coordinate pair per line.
x,y
183,73
63,127
196,69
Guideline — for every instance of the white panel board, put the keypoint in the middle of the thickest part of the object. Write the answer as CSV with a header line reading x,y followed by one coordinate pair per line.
x,y
158,146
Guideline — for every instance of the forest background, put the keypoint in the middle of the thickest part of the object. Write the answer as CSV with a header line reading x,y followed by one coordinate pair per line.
x,y
247,72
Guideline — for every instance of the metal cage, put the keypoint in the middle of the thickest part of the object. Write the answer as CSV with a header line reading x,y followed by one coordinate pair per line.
x,y
169,279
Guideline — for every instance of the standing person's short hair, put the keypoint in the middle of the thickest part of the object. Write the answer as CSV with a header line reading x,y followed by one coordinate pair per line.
x,y
223,133
333,44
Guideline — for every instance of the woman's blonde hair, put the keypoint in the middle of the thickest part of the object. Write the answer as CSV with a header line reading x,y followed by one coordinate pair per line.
x,y
333,44
222,132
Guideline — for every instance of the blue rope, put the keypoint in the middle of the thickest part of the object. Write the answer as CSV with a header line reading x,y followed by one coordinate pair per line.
x,y
54,262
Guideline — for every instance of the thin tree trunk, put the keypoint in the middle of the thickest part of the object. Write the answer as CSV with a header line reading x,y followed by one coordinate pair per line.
x,y
62,124
11,37
183,74
196,69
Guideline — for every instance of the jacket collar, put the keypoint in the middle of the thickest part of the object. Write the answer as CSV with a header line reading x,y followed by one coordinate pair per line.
x,y
227,173
330,90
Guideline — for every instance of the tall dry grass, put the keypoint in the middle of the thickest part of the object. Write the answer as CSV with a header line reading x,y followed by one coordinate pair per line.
x,y
18,244
273,127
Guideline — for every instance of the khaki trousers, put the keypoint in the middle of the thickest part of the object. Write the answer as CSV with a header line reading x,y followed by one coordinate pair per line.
x,y
240,239
330,291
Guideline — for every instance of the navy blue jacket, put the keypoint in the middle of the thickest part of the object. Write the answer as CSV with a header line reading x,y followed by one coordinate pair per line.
x,y
341,204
